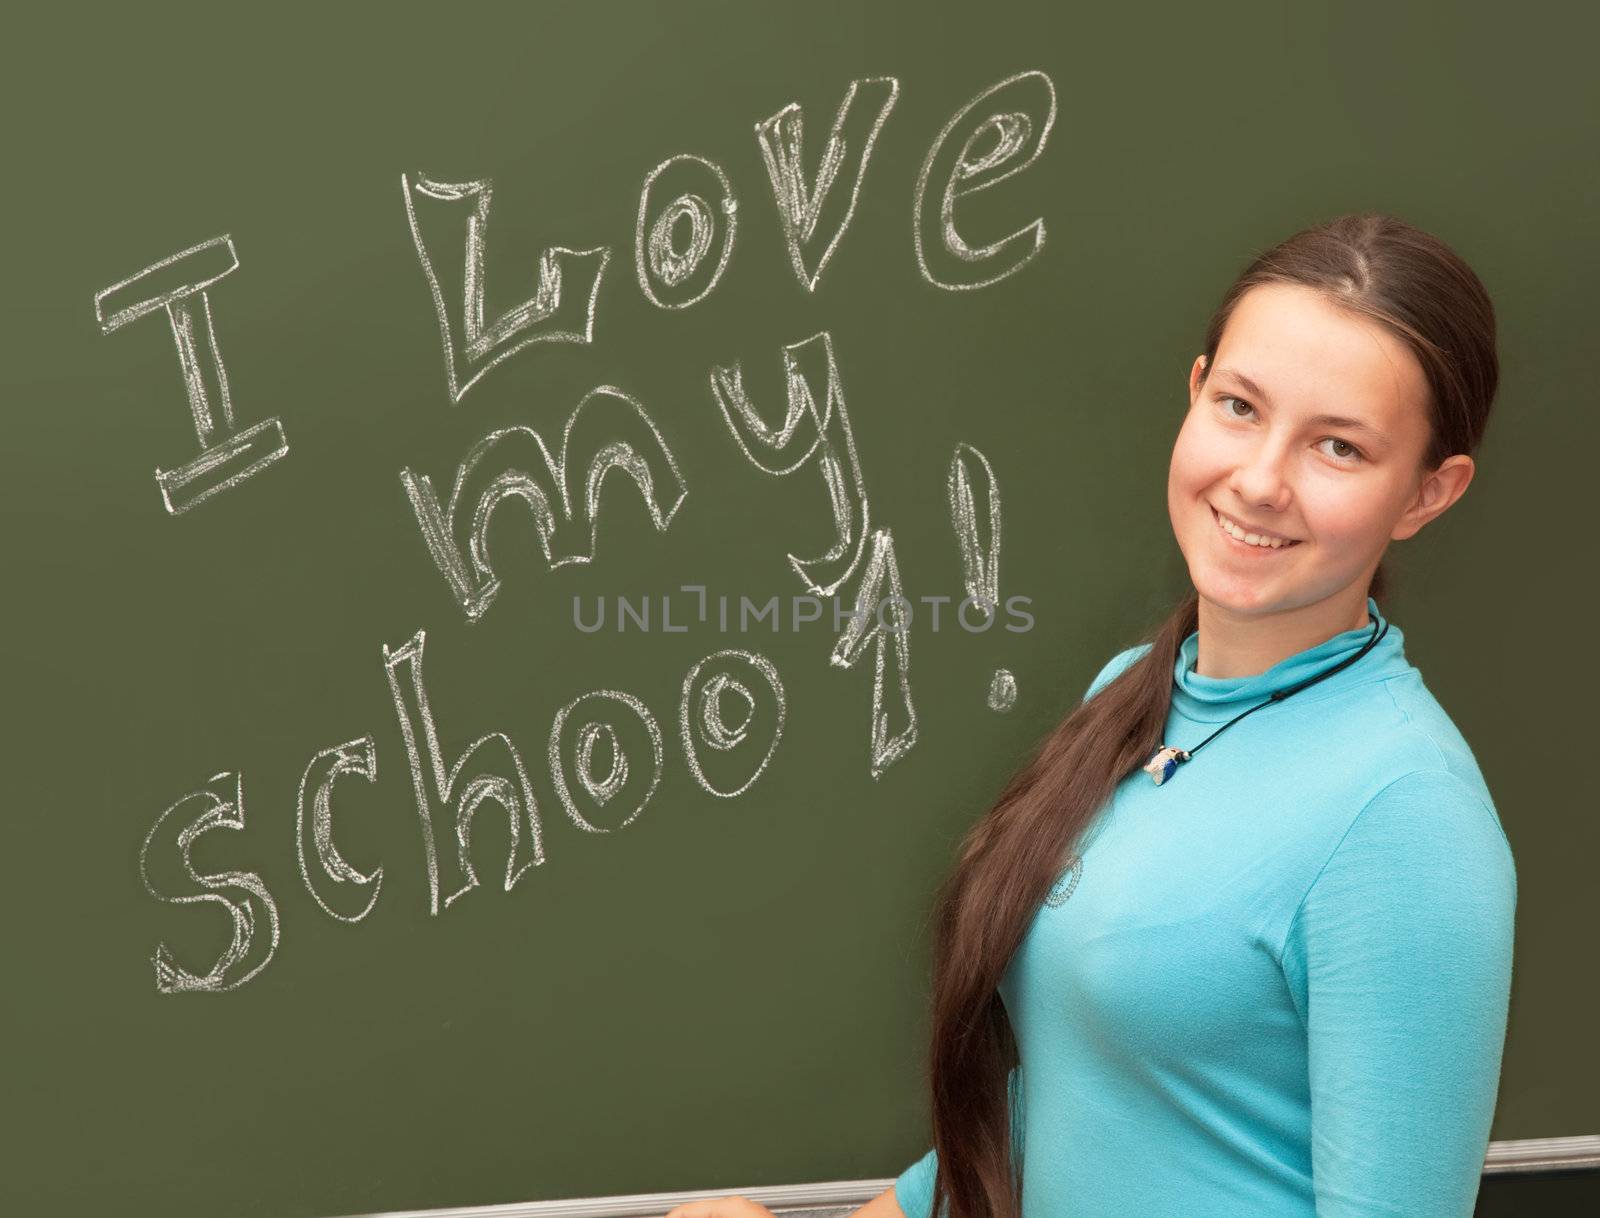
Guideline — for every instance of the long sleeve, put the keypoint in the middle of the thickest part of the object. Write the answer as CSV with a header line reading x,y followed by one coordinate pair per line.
x,y
913,1188
1399,962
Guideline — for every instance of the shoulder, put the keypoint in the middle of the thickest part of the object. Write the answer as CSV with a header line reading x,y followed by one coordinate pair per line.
x,y
1435,805
1115,667
1429,837
1414,914
1419,757
1427,721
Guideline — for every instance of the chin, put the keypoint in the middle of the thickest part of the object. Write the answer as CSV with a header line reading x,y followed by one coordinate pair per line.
x,y
1232,594
1242,592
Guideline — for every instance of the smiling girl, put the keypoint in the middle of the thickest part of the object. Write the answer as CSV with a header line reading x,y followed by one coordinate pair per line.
x,y
1237,940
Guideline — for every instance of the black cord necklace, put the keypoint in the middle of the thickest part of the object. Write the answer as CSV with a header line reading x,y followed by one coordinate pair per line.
x,y
1165,760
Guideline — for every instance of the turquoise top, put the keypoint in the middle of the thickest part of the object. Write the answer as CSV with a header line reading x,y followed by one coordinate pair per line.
x,y
1279,986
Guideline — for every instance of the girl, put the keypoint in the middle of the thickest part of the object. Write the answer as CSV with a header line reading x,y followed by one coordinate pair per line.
x,y
1237,940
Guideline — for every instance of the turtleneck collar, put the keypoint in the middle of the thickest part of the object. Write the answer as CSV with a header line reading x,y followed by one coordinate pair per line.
x,y
1212,699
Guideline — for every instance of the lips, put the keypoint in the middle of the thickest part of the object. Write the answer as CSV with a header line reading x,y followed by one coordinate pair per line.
x,y
1245,545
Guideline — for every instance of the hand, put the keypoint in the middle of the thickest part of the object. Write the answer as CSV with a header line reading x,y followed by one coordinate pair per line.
x,y
721,1207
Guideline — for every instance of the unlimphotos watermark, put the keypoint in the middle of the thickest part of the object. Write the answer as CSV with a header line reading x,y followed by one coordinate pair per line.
x,y
975,615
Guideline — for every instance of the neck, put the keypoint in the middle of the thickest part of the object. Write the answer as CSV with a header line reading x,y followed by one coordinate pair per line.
x,y
1234,644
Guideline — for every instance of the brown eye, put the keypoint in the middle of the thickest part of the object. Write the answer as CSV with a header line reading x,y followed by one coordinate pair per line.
x,y
1352,456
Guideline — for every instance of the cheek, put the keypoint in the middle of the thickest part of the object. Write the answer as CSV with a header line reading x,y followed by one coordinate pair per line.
x,y
1347,512
1197,461
1192,471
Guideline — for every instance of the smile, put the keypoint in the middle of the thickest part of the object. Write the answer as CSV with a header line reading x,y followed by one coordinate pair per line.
x,y
1237,534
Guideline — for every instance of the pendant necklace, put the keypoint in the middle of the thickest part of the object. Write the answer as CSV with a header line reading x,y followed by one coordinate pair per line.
x,y
1166,759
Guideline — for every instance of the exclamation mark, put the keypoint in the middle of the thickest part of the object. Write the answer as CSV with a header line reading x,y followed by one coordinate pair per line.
x,y
975,513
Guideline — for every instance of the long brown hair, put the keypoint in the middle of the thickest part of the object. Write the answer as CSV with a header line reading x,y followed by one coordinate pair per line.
x,y
1373,265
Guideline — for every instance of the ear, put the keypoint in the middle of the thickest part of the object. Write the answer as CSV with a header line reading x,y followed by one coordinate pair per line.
x,y
1197,372
1437,492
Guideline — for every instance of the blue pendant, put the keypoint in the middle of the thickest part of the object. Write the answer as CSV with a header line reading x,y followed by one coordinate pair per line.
x,y
1163,762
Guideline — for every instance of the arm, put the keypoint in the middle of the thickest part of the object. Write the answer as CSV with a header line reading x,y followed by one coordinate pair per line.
x,y
913,1188
1399,959
883,1205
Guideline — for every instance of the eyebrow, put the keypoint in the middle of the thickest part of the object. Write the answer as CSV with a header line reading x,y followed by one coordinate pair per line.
x,y
1320,420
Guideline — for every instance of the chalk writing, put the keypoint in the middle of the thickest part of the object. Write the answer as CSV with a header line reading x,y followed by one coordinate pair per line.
x,y
605,748
314,828
604,717
974,494
178,286
607,430
220,805
1002,694
818,424
488,770
815,215
1014,117
676,278
814,425
560,310
736,756
894,716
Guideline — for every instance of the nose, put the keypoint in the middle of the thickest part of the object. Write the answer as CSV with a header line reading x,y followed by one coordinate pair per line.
x,y
1260,481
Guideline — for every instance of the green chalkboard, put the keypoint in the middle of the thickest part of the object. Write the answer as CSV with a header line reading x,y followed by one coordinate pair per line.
x,y
293,298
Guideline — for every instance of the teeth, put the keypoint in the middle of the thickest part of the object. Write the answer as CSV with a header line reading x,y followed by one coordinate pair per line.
x,y
1254,539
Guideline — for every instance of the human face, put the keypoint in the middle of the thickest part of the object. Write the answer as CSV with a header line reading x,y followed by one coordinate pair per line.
x,y
1253,448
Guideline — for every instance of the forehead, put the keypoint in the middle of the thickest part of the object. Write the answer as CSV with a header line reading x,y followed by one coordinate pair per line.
x,y
1313,357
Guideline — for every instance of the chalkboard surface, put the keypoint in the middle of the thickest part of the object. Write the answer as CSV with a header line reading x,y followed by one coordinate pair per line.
x,y
358,364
